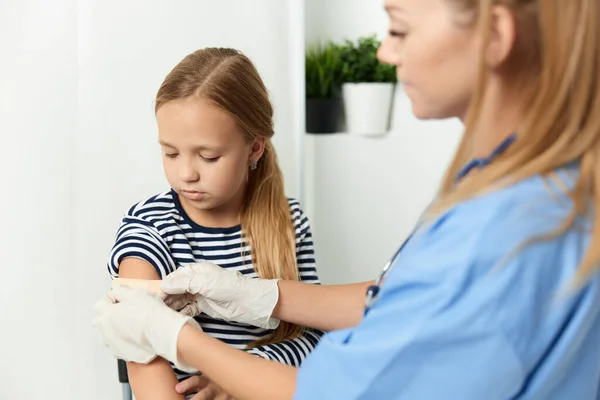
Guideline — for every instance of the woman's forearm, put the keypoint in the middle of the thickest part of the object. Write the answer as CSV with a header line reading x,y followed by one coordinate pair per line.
x,y
324,307
242,375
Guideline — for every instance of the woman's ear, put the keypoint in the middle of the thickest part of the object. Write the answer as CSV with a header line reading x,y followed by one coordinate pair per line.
x,y
258,148
503,33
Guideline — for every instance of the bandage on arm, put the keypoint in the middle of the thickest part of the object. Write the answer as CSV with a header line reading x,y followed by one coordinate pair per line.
x,y
149,285
156,380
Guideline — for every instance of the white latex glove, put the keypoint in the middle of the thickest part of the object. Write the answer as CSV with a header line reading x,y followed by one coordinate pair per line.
x,y
223,294
137,326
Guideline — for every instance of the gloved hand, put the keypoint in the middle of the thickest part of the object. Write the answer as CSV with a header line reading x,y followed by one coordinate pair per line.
x,y
137,326
223,294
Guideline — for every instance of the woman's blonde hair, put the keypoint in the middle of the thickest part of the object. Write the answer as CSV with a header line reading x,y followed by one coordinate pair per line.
x,y
556,56
229,80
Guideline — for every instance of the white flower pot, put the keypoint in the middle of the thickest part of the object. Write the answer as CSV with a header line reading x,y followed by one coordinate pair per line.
x,y
368,107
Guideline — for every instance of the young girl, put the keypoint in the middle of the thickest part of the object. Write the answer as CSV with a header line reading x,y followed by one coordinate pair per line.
x,y
496,295
226,205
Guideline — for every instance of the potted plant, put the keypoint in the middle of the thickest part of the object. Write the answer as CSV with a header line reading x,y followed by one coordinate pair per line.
x,y
323,102
367,87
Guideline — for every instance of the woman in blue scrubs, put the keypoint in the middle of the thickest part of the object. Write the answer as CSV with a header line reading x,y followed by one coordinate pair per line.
x,y
496,295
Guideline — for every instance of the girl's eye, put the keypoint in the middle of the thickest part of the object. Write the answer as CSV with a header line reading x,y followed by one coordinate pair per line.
x,y
210,159
171,155
397,34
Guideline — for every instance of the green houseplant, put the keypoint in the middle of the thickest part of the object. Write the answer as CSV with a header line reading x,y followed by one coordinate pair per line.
x,y
323,69
367,86
360,64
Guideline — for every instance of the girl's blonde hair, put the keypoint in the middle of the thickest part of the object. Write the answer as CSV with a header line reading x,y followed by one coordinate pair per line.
x,y
229,80
556,57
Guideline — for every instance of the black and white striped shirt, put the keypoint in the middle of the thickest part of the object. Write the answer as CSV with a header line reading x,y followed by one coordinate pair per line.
x,y
159,231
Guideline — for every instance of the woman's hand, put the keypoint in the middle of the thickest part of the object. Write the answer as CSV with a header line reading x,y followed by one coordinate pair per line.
x,y
137,326
223,294
207,390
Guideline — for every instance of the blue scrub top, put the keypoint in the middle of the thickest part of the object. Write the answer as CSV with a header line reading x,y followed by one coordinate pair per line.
x,y
468,313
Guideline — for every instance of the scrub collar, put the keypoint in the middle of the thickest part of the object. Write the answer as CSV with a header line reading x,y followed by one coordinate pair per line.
x,y
485,161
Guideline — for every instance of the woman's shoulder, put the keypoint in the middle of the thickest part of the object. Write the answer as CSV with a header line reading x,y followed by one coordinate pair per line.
x,y
524,210
511,245
532,209
519,224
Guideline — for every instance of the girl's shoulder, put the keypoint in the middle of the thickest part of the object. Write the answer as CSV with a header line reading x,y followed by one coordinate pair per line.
x,y
297,213
161,205
295,206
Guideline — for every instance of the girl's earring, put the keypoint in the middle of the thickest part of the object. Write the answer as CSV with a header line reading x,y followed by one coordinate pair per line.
x,y
253,165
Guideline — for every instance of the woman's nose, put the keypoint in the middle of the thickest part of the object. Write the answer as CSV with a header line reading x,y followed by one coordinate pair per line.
x,y
386,53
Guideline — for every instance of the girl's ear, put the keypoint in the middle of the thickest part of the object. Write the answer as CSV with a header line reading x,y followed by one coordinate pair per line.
x,y
502,36
258,148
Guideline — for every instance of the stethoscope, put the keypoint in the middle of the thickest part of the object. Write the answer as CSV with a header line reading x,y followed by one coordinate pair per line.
x,y
373,290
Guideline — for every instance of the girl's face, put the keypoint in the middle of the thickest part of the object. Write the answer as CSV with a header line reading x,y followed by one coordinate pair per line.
x,y
435,55
205,157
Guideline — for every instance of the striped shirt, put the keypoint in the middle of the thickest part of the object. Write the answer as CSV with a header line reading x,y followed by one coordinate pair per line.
x,y
159,231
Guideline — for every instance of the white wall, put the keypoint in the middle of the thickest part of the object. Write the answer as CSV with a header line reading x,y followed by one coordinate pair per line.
x,y
38,87
77,84
365,194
